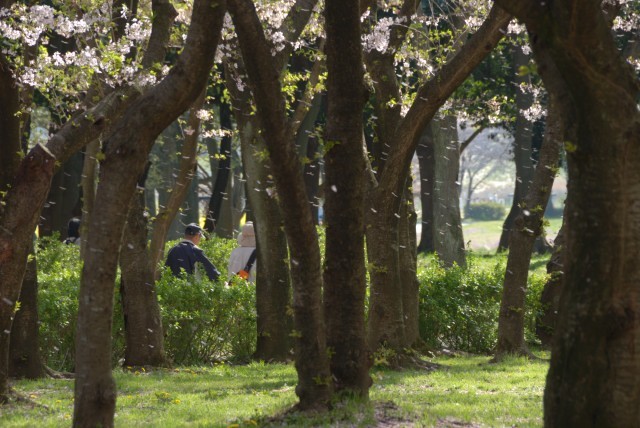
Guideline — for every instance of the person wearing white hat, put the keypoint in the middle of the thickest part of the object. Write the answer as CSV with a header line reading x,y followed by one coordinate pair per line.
x,y
242,261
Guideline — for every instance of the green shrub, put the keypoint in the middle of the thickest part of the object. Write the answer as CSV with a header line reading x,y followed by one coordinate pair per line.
x,y
459,307
202,320
486,211
59,268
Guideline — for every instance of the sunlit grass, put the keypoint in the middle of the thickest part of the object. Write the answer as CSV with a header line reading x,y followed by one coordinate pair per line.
x,y
466,389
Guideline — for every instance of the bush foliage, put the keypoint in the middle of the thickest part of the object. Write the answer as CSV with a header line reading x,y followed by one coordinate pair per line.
x,y
486,211
207,321
459,307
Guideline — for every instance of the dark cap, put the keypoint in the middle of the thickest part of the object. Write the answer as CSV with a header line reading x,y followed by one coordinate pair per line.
x,y
193,229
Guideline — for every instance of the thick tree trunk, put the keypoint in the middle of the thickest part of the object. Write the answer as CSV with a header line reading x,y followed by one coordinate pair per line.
x,y
521,148
550,298
311,359
527,228
16,234
126,153
88,183
9,125
447,223
344,270
24,354
426,162
144,337
595,362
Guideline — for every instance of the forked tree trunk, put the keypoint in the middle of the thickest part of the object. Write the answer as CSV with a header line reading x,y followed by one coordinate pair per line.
x,y
595,362
344,270
25,360
447,222
126,154
144,337
550,299
527,228
311,359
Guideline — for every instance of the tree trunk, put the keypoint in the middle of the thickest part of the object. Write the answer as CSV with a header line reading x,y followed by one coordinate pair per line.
x,y
344,270
311,359
447,223
426,163
595,362
521,148
386,317
550,298
9,125
144,337
88,183
527,227
127,149
220,186
16,238
273,282
408,269
25,360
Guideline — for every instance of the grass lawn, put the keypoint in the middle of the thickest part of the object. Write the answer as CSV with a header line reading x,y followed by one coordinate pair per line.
x,y
466,391
485,235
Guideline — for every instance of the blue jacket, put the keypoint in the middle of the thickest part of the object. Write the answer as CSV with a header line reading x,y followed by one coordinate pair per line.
x,y
184,255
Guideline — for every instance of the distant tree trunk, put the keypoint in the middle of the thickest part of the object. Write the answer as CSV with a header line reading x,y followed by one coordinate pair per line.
x,y
550,299
311,359
186,172
426,163
521,148
344,270
220,186
25,360
273,282
144,337
447,222
408,269
527,227
126,154
63,199
595,361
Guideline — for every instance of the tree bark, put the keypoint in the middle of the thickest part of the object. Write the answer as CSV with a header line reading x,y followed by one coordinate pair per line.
x,y
527,228
9,124
88,183
550,298
447,222
24,354
126,153
595,362
311,360
344,270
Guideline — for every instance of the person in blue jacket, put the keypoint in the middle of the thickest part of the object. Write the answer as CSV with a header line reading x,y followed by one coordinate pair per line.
x,y
186,253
